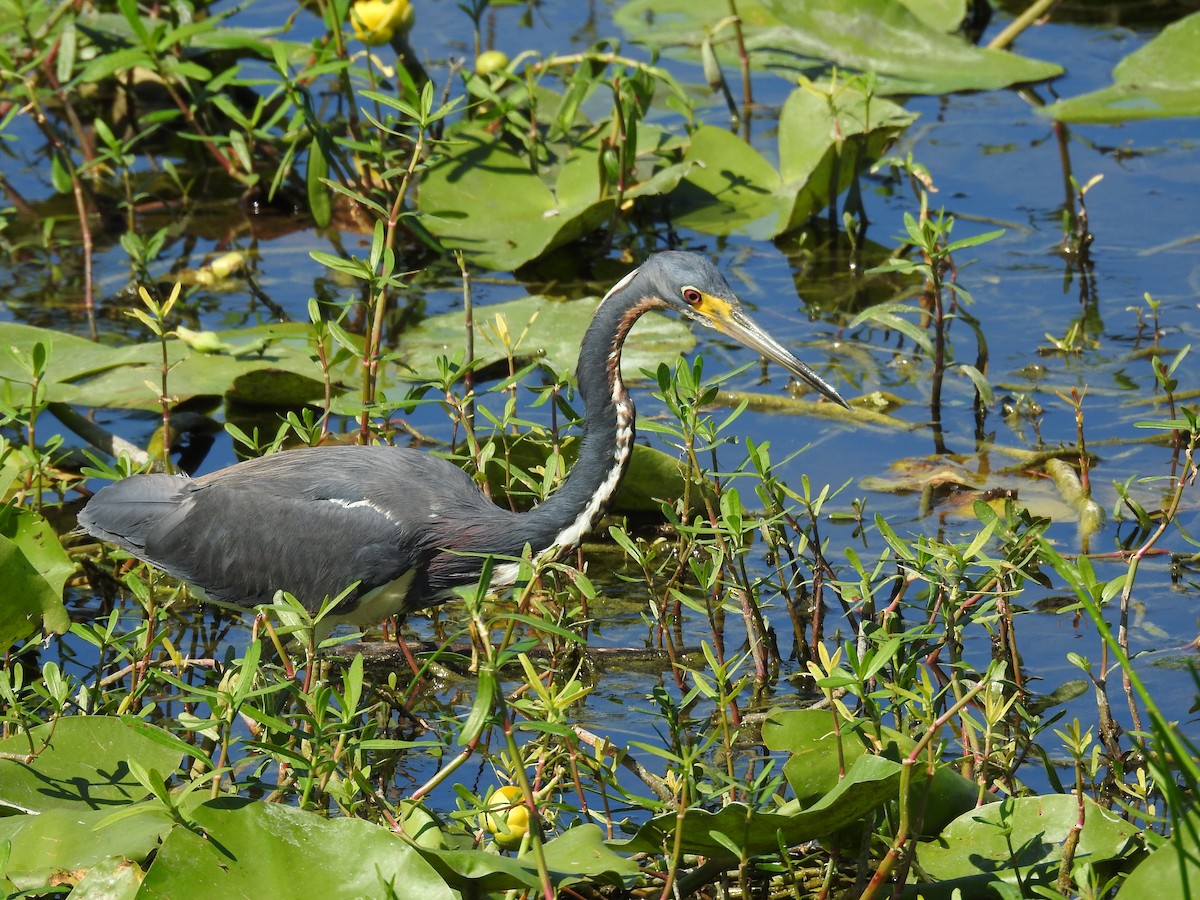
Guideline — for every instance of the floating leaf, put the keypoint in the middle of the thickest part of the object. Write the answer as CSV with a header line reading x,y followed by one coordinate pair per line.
x,y
115,878
825,139
941,15
907,52
736,830
1173,870
554,330
33,569
577,854
246,848
85,765
1159,80
484,199
80,841
653,476
1020,839
813,769
85,373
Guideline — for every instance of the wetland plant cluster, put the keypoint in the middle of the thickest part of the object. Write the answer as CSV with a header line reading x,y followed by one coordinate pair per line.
x,y
151,748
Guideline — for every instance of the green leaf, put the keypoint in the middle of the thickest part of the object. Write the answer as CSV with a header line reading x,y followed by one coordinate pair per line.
x,y
908,53
812,770
267,365
85,765
108,64
982,385
579,853
483,199
319,204
736,830
825,139
252,849
653,476
553,336
79,840
113,878
33,569
1173,870
1159,80
1022,838
884,316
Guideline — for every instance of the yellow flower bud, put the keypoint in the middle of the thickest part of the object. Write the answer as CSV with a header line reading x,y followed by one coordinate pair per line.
x,y
376,21
510,823
490,61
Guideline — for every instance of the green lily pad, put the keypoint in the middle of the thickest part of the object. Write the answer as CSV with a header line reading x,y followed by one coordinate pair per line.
x,y
825,139
553,330
33,569
577,854
115,878
1159,80
245,848
736,830
1022,838
80,841
908,53
812,770
271,365
68,359
483,198
1173,869
941,15
86,763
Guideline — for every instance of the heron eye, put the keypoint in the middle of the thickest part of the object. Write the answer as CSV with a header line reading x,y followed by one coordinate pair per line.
x,y
692,296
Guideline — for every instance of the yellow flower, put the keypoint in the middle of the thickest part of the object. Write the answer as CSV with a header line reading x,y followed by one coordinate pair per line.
x,y
511,820
376,21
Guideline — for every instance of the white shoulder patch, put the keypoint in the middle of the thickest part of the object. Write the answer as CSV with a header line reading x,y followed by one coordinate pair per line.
x,y
362,504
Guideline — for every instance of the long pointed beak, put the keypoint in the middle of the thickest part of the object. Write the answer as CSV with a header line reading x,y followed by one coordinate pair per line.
x,y
741,327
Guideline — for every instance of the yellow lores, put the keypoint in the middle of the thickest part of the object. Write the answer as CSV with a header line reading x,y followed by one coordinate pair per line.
x,y
377,21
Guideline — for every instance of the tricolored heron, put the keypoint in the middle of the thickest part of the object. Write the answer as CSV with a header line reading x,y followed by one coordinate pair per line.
x,y
398,526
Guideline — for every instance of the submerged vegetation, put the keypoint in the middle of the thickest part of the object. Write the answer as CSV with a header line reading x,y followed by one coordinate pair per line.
x,y
825,704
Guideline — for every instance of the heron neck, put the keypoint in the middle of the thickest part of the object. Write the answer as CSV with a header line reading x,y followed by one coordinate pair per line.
x,y
608,427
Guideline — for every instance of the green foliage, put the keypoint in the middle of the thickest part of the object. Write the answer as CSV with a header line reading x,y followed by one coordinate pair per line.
x,y
905,44
134,763
1160,79
828,134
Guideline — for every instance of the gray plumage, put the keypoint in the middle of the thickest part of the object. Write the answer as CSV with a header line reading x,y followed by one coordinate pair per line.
x,y
310,521
406,527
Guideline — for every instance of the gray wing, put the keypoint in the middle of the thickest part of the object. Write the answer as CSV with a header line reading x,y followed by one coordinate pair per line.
x,y
310,521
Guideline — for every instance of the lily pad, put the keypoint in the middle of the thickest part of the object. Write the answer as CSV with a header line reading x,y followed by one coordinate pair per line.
x,y
653,476
33,569
484,199
909,55
246,848
553,332
825,139
79,842
1159,80
85,764
736,831
813,769
1020,840
271,364
577,854
1173,869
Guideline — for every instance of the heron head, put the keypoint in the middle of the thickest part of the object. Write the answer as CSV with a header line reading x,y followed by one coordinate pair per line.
x,y
692,285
